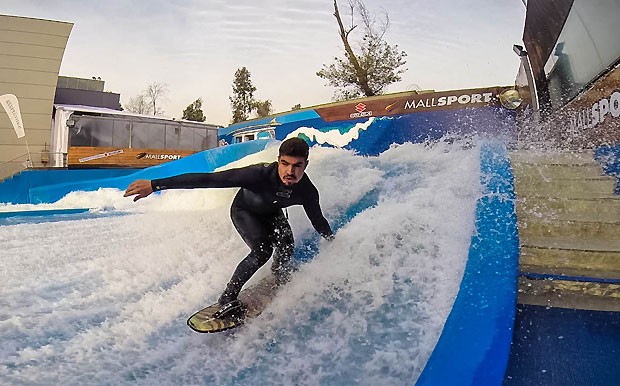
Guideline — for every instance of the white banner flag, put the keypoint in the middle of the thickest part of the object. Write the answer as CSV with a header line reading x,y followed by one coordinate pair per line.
x,y
10,104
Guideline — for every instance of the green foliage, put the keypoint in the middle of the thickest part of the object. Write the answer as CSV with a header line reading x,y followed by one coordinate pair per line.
x,y
193,112
263,108
296,107
373,68
242,100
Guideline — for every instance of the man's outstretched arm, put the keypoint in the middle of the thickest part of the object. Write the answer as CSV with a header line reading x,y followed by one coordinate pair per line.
x,y
242,177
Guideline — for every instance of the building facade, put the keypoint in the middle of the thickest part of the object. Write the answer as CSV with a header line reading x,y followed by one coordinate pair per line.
x,y
73,122
31,52
574,54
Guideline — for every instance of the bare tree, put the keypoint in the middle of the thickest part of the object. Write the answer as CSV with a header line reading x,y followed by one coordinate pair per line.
x,y
138,104
154,93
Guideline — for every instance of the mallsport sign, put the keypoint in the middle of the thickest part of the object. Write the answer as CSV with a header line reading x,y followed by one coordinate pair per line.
x,y
598,112
589,120
463,99
412,102
170,157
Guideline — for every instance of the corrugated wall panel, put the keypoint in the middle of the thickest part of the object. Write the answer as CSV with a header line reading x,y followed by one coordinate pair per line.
x,y
31,52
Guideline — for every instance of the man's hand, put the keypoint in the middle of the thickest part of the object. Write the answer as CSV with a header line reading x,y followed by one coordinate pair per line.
x,y
139,188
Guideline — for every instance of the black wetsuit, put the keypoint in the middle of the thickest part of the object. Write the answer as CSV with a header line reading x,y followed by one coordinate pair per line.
x,y
256,212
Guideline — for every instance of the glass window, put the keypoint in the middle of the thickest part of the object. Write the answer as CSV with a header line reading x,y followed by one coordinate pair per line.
x,y
120,138
186,138
102,132
172,136
601,20
200,139
140,135
157,136
211,139
81,133
586,46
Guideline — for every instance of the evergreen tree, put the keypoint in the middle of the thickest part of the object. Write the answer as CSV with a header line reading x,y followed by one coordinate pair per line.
x,y
193,112
242,100
373,68
263,108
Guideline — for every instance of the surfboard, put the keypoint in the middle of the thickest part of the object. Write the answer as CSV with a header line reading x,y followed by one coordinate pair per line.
x,y
255,298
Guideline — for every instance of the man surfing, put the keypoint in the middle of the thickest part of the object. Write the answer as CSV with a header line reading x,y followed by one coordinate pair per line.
x,y
256,212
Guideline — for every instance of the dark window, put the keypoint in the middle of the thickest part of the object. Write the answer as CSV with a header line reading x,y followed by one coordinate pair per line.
x,y
80,134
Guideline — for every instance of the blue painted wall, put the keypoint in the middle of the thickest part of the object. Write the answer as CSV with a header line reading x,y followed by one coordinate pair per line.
x,y
384,131
205,161
609,158
49,186
16,189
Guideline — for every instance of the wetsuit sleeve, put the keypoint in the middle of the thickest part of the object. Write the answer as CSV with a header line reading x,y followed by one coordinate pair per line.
x,y
242,177
314,213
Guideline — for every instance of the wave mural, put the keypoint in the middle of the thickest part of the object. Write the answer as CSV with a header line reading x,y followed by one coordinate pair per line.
x,y
371,125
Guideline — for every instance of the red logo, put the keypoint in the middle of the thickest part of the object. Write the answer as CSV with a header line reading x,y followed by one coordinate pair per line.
x,y
360,107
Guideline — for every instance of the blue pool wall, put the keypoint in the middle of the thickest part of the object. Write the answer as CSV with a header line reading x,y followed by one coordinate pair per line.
x,y
16,189
475,343
387,130
608,156
48,186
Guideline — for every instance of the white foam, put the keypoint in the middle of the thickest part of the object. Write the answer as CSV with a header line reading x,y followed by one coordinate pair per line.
x,y
104,300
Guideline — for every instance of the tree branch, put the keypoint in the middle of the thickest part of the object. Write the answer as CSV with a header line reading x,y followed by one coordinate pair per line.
x,y
361,76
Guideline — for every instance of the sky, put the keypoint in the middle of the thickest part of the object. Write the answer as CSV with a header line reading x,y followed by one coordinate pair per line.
x,y
194,47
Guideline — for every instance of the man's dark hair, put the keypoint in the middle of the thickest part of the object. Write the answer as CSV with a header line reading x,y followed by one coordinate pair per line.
x,y
295,147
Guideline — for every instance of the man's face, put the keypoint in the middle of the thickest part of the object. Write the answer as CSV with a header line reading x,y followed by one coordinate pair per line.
x,y
291,169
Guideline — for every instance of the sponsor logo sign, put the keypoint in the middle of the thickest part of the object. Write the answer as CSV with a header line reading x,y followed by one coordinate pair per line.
x,y
101,155
412,102
604,109
361,111
88,156
167,157
11,106
588,121
390,107
463,99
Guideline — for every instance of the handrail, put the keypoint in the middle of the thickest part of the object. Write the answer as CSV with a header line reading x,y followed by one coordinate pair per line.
x,y
15,159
